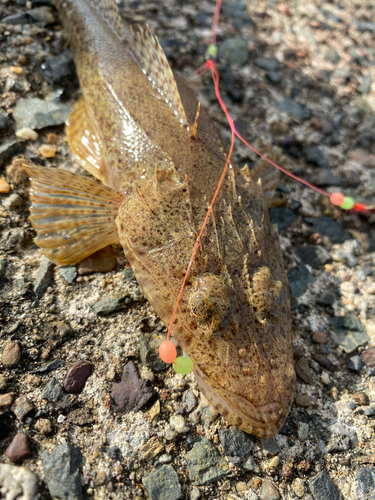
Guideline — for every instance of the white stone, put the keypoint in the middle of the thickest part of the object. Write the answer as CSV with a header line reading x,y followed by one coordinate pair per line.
x,y
15,481
27,133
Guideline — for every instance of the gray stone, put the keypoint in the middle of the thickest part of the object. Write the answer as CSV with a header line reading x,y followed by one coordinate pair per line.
x,y
189,400
37,113
349,332
314,255
50,367
251,465
325,178
204,463
370,412
274,76
163,484
283,217
269,64
4,120
299,280
234,50
365,86
366,480
327,298
364,25
42,16
112,302
61,471
294,109
316,156
44,277
355,364
303,431
270,447
149,352
3,268
69,273
237,12
18,18
52,391
235,442
328,227
323,488
60,67
331,55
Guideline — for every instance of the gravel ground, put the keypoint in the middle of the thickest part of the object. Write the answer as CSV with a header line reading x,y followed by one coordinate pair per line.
x,y
87,410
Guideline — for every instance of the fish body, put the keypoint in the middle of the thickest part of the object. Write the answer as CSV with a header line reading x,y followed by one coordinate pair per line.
x,y
132,130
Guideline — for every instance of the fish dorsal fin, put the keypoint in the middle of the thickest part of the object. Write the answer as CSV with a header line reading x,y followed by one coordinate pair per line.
x,y
85,144
109,12
153,62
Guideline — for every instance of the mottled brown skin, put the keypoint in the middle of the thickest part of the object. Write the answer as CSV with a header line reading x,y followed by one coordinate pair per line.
x,y
233,319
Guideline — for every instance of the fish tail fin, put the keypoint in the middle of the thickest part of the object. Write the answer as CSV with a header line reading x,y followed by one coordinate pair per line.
x,y
107,10
74,216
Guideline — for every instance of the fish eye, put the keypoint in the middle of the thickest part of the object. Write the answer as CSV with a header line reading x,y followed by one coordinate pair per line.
x,y
211,301
267,295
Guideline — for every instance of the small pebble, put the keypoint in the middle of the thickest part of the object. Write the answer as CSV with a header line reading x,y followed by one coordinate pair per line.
x,y
12,202
4,186
325,378
303,431
3,383
6,399
21,407
269,491
303,370
100,478
360,398
319,337
355,364
48,151
177,423
44,426
302,400
102,261
52,138
76,377
27,134
19,448
195,494
370,412
11,354
298,487
270,447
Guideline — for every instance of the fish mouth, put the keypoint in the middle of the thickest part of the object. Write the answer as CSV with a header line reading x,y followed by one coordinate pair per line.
x,y
263,421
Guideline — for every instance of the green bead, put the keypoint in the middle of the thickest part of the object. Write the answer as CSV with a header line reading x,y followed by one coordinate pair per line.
x,y
211,51
182,365
348,203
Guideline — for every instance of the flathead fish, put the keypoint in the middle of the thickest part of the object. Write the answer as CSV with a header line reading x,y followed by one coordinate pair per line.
x,y
135,130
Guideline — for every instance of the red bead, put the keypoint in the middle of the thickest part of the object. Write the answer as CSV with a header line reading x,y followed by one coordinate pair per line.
x,y
359,207
337,199
167,351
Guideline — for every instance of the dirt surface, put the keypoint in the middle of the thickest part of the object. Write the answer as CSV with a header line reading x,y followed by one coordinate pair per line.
x,y
296,75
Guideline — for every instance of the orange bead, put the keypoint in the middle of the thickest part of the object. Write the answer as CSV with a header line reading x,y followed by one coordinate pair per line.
x,y
337,199
167,351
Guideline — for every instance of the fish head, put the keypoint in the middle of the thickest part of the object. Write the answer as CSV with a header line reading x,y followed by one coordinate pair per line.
x,y
241,347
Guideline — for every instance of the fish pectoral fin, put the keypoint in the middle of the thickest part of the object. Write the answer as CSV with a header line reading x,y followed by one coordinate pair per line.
x,y
85,143
74,216
154,63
